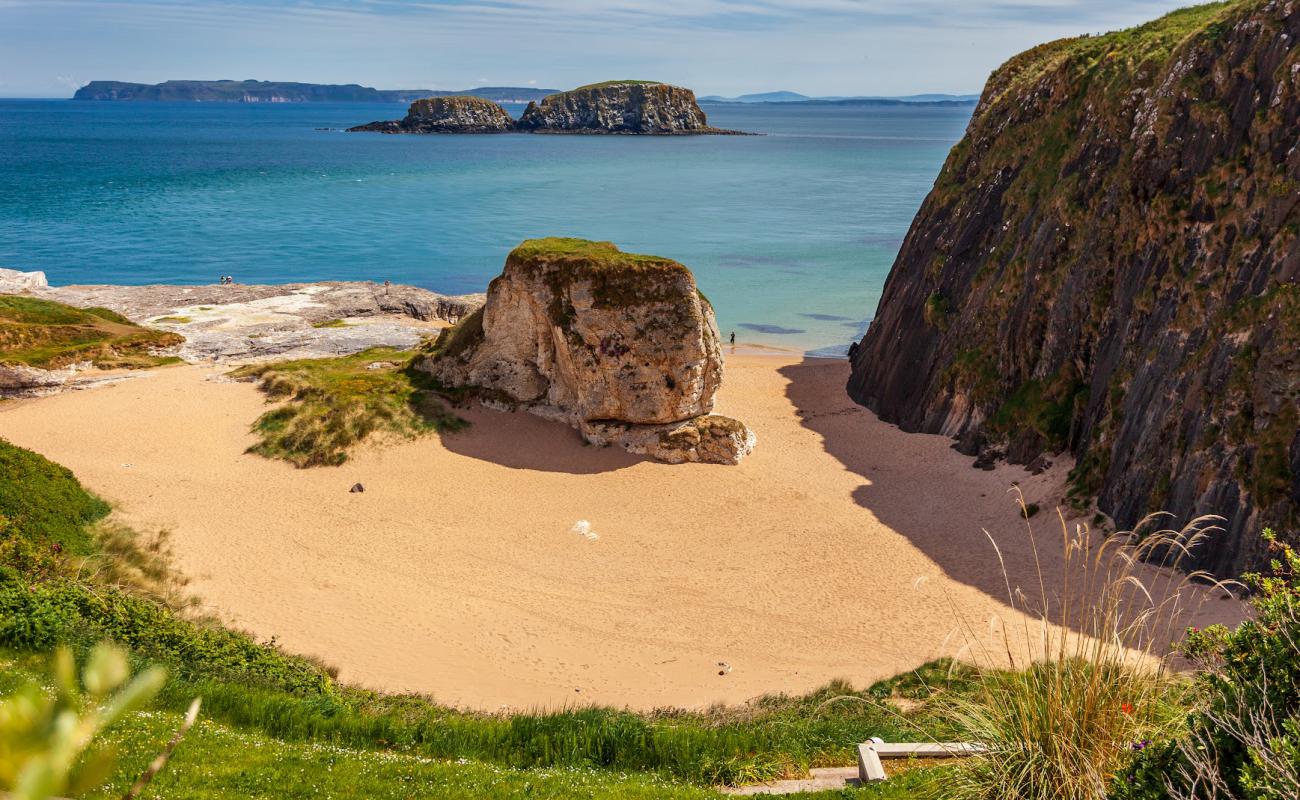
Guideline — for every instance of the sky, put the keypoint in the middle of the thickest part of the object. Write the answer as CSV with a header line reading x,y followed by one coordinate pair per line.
x,y
48,48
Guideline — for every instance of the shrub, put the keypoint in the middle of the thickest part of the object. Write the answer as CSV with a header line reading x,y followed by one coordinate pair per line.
x,y
43,504
1243,737
37,616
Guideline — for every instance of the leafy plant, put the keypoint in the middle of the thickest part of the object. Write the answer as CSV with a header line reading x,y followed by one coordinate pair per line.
x,y
47,741
1243,736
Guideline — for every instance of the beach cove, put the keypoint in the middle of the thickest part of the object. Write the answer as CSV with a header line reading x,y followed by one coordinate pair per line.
x,y
841,548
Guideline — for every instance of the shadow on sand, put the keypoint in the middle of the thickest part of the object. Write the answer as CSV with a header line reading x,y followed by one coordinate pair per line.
x,y
919,487
520,440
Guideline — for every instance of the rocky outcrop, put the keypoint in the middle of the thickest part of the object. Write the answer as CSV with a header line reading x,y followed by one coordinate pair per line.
x,y
1108,265
447,115
237,323
621,346
14,282
631,107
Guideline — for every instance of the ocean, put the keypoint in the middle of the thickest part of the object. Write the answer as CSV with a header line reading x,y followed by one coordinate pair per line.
x,y
790,235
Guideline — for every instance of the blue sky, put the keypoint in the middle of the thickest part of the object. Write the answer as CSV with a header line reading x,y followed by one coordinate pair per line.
x,y
49,47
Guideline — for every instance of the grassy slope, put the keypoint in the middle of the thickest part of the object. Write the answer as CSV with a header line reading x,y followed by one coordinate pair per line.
x,y
219,760
42,333
270,716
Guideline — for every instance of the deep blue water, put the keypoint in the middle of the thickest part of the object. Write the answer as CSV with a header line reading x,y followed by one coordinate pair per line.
x,y
790,234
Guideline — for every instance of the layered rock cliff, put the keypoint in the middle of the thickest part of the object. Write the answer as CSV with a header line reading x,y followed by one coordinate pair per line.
x,y
619,107
447,115
621,346
1108,265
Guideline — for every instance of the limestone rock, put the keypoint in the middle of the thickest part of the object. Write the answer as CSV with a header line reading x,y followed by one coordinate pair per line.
x,y
14,282
240,323
619,107
621,346
458,114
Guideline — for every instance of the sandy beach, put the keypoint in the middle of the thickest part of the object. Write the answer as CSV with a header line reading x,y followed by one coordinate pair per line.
x,y
839,549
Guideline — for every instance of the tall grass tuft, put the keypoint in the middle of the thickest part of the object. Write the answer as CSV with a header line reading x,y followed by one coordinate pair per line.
x,y
1091,678
329,405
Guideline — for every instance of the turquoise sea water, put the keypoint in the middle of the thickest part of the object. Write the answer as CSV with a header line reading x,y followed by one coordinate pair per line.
x,y
790,234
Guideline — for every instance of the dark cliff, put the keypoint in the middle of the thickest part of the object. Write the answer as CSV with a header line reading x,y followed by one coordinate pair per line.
x,y
447,115
1108,265
642,107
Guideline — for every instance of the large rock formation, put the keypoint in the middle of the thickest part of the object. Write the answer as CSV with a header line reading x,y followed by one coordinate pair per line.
x,y
622,346
1108,264
619,107
447,115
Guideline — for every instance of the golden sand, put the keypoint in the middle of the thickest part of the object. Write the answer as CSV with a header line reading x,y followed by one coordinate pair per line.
x,y
842,548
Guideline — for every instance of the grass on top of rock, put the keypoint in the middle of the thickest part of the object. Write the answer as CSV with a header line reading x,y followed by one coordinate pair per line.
x,y
618,279
604,84
329,405
49,335
587,253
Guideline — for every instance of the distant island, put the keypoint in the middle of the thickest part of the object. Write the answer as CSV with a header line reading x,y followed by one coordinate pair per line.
x,y
227,91
611,107
795,97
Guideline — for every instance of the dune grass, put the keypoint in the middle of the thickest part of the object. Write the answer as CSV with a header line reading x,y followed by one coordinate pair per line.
x,y
329,405
49,335
1097,684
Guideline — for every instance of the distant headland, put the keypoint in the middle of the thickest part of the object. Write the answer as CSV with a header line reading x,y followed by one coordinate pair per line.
x,y
227,91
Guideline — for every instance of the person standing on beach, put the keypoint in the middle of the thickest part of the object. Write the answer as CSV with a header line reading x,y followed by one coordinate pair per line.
x,y
733,338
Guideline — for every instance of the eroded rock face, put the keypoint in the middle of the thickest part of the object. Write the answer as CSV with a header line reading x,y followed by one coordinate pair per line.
x,y
621,346
618,107
1108,264
447,115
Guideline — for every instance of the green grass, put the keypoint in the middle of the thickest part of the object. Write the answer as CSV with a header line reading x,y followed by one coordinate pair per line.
x,y
174,320
1118,53
43,505
332,404
45,334
330,323
224,758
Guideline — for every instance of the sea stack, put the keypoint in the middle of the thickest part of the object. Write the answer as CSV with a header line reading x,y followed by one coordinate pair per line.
x,y
1108,265
621,346
628,107
457,114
